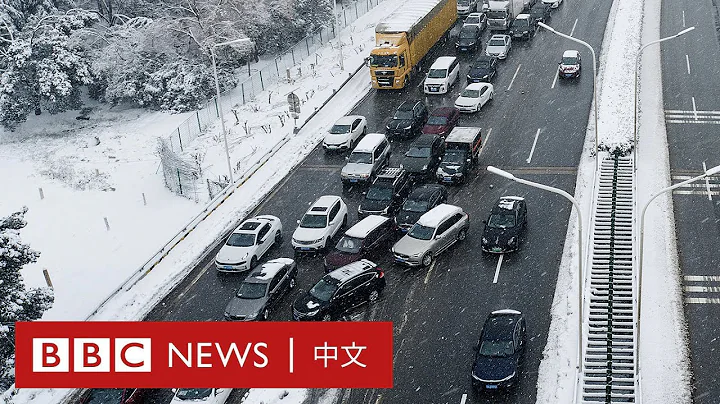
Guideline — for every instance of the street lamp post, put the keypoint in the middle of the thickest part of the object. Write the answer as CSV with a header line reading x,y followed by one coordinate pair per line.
x,y
707,173
219,103
567,196
592,51
637,73
337,34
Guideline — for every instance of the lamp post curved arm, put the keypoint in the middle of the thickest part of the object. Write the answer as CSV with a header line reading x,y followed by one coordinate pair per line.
x,y
637,73
592,52
569,197
707,173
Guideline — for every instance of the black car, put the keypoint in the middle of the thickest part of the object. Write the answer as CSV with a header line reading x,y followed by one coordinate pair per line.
x,y
408,120
482,69
500,351
340,291
541,12
262,290
505,227
423,157
421,200
523,26
469,39
386,194
367,238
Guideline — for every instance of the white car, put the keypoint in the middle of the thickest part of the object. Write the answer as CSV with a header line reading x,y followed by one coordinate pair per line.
x,y
248,243
345,134
477,19
205,396
499,46
320,224
474,97
552,3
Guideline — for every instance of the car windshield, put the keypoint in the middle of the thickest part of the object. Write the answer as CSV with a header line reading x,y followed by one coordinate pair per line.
x,y
502,221
437,73
241,240
421,232
470,93
467,33
379,194
360,158
193,394
323,290
349,245
496,348
569,61
437,120
418,152
340,129
472,20
415,206
403,115
496,15
463,2
383,60
313,221
481,64
497,42
453,156
249,290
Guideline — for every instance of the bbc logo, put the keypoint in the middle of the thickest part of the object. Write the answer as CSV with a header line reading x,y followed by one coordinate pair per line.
x,y
91,354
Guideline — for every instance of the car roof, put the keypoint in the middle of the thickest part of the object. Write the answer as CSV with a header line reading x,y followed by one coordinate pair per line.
x,y
351,270
362,228
477,86
323,203
268,270
500,325
463,134
424,140
507,203
443,111
443,62
522,16
369,142
474,15
434,216
425,191
347,120
499,36
469,27
570,54
253,224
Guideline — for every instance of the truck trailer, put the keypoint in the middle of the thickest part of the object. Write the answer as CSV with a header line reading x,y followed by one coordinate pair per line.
x,y
405,37
502,13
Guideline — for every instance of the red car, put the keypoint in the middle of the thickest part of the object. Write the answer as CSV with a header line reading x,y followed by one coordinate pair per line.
x,y
113,396
441,121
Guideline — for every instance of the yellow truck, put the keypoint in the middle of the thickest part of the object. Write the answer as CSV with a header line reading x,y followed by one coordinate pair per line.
x,y
405,37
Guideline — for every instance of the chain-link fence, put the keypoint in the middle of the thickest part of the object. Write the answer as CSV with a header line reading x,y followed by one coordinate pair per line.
x,y
174,146
181,175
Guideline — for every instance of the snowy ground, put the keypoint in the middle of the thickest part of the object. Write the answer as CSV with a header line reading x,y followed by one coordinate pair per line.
x,y
86,261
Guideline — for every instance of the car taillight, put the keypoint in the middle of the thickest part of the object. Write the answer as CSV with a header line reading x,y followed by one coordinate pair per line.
x,y
380,273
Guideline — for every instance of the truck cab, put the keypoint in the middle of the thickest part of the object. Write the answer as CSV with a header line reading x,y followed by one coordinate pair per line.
x,y
462,150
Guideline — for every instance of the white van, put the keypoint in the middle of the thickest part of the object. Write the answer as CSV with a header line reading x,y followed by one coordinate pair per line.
x,y
442,75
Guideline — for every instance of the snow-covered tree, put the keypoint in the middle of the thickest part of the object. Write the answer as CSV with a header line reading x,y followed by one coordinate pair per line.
x,y
16,302
313,14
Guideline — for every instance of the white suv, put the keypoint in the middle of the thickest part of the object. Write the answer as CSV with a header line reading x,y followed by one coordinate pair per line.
x,y
442,74
320,224
248,243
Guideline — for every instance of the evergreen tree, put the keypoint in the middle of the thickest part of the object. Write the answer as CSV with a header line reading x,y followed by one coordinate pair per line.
x,y
16,302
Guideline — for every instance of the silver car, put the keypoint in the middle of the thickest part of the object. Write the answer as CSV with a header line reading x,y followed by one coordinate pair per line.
x,y
433,233
369,156
499,46
262,290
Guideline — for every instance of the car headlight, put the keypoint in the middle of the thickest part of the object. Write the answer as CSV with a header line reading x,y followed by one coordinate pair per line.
x,y
512,240
457,174
252,316
485,76
407,127
385,211
317,241
364,175
442,88
312,313
457,43
468,77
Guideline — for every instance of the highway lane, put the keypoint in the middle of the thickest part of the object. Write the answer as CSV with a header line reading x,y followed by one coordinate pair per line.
x,y
443,308
690,66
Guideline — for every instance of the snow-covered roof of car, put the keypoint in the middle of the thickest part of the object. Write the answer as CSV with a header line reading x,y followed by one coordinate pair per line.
x,y
253,224
368,143
365,226
522,16
352,269
462,134
474,15
443,62
437,214
506,311
405,18
570,54
269,269
477,86
499,36
325,201
508,202
348,120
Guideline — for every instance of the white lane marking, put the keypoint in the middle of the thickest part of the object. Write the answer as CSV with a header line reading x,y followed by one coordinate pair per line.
x,y
687,61
514,76
484,142
702,300
532,151
497,269
573,28
680,112
683,18
292,364
701,289
702,278
707,182
427,277
463,399
554,80
694,108
677,192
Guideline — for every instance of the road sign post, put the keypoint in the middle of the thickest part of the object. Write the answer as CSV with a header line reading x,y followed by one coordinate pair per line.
x,y
294,102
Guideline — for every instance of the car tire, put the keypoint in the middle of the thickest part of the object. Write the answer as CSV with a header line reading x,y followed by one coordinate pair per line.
x,y
253,262
373,296
327,317
462,235
293,283
278,237
426,259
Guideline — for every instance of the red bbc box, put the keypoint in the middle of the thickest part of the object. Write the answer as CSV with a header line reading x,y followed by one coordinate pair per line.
x,y
204,354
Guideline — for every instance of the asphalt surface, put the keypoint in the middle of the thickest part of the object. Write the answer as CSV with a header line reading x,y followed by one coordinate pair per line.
x,y
533,128
690,66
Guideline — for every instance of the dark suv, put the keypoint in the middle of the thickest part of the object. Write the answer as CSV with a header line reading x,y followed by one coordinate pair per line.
x,y
423,157
500,351
340,291
364,240
386,194
421,200
262,290
483,68
408,120
523,26
506,225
